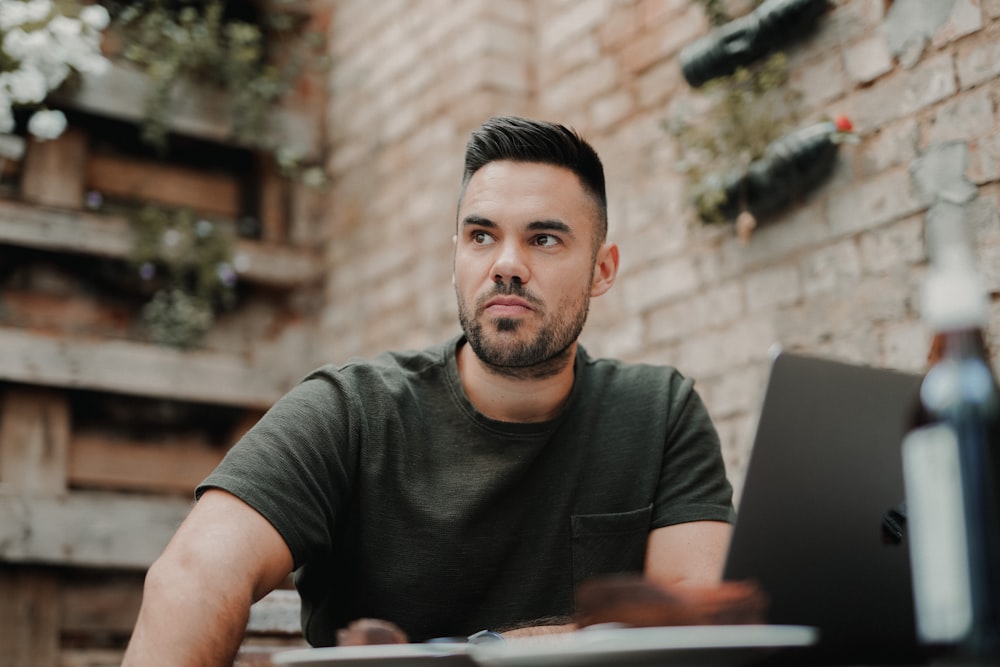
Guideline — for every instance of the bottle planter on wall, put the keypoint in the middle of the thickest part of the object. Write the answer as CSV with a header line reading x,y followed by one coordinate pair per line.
x,y
789,168
744,40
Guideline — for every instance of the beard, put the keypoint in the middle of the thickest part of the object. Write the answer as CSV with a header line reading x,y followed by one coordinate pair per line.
x,y
502,353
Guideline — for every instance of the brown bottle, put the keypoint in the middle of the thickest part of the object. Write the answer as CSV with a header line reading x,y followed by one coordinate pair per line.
x,y
951,469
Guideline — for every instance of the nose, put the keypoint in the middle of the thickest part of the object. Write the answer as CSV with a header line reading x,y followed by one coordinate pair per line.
x,y
511,264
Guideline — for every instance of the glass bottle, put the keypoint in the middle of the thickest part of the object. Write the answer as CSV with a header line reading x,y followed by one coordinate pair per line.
x,y
951,466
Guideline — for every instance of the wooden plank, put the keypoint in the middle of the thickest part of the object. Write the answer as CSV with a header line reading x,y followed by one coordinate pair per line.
x,y
88,529
195,111
29,616
65,231
211,193
105,607
273,201
53,170
141,369
111,236
171,466
91,657
34,440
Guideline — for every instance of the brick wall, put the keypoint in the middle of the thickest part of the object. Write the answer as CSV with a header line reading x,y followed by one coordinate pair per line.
x,y
838,274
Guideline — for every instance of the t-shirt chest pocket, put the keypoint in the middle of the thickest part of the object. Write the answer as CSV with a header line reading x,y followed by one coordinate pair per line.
x,y
609,543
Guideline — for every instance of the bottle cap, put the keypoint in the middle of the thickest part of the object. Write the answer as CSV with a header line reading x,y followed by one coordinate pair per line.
x,y
953,298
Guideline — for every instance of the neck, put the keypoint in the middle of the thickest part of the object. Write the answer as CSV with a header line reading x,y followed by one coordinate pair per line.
x,y
520,397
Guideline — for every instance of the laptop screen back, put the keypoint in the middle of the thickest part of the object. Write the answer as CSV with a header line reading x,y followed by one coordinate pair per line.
x,y
816,521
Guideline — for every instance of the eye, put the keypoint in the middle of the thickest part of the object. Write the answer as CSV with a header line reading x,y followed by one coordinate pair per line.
x,y
479,237
546,240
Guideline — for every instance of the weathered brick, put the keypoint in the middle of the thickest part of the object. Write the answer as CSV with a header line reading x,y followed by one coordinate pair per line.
x,y
658,11
576,19
772,287
978,61
989,266
667,280
890,146
674,321
736,434
716,352
966,117
904,346
715,307
966,18
984,160
831,269
738,391
574,56
893,247
683,29
868,59
611,109
882,199
798,228
620,25
644,50
884,298
991,8
851,21
581,86
657,84
982,215
902,93
818,82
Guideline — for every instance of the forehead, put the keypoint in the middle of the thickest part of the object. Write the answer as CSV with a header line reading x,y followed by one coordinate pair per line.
x,y
508,191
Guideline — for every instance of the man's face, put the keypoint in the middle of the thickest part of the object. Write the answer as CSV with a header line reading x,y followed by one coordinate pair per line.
x,y
525,264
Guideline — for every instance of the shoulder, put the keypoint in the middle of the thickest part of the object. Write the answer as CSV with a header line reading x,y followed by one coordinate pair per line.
x,y
633,379
388,370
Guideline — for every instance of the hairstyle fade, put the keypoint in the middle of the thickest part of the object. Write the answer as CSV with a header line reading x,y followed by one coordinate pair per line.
x,y
523,140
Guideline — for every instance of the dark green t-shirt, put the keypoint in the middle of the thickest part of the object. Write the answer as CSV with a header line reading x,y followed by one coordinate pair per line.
x,y
399,501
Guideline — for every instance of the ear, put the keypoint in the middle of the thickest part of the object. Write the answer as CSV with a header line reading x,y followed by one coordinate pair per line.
x,y
605,269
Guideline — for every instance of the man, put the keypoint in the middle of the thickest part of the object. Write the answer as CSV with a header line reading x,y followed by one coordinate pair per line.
x,y
472,485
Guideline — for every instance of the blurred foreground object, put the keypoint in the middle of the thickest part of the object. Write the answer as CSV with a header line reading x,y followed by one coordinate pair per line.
x,y
366,631
637,602
951,462
41,45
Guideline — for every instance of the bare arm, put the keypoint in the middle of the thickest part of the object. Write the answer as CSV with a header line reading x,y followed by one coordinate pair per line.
x,y
688,553
197,595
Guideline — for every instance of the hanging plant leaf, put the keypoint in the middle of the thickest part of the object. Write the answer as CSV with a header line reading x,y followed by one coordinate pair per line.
x,y
791,166
742,41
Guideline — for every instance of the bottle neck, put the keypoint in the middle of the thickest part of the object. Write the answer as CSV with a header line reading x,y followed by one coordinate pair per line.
x,y
963,343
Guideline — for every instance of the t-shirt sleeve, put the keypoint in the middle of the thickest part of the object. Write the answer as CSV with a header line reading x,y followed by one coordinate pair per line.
x,y
693,484
294,466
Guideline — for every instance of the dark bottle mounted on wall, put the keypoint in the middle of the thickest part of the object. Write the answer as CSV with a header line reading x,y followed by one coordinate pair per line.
x,y
744,40
789,168
951,466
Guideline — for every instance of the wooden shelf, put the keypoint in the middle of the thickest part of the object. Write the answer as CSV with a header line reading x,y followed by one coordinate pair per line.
x,y
104,530
65,230
140,369
196,111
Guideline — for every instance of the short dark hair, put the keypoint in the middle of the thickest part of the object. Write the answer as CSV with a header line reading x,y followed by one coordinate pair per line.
x,y
522,140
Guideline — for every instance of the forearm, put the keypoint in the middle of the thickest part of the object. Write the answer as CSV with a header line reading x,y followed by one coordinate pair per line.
x,y
185,622
549,625
536,630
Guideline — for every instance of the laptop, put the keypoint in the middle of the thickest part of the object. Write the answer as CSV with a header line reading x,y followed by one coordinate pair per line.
x,y
821,522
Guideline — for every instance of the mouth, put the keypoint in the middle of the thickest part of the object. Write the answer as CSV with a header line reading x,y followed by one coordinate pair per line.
x,y
507,306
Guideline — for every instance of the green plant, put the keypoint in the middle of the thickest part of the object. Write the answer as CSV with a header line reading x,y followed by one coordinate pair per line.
x,y
746,112
197,41
188,261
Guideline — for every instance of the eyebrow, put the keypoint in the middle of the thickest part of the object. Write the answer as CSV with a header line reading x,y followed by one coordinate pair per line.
x,y
535,225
